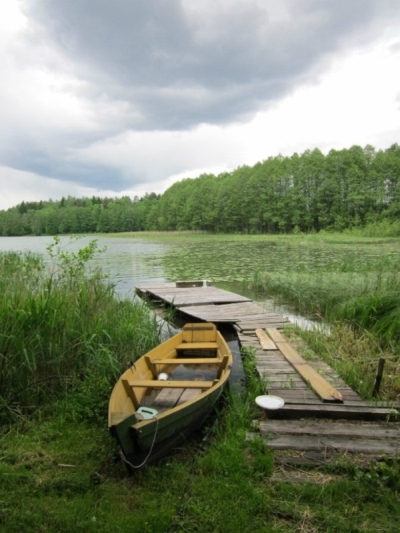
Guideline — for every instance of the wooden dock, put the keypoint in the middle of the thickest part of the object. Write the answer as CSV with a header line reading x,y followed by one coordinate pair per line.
x,y
211,304
311,389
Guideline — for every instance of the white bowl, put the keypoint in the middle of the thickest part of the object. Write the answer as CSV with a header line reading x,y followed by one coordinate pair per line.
x,y
267,401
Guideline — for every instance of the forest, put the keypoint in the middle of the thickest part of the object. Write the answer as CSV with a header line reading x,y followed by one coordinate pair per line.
x,y
310,192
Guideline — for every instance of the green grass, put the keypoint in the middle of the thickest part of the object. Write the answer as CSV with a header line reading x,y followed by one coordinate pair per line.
x,y
59,470
360,299
224,485
349,237
64,335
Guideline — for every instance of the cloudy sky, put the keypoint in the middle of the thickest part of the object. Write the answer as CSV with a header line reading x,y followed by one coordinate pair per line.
x,y
112,97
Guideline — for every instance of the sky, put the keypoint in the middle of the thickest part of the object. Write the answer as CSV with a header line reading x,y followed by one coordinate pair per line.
x,y
124,97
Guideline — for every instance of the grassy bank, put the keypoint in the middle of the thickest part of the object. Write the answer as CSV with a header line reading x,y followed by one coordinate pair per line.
x,y
61,476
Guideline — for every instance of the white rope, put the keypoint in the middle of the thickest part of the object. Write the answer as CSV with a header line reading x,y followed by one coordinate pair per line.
x,y
148,455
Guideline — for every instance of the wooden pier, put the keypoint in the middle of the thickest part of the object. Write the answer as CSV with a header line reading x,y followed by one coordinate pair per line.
x,y
211,304
311,389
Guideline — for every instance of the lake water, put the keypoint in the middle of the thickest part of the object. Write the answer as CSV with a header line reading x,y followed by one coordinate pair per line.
x,y
126,261
227,262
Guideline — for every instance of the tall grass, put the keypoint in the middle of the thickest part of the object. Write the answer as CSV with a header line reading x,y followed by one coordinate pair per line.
x,y
360,299
364,294
64,331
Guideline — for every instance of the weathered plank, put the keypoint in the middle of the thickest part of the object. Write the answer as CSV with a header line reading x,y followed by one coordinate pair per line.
x,y
272,371
249,328
333,429
278,377
369,446
181,297
275,335
265,341
271,356
293,394
348,394
325,390
333,411
167,398
189,394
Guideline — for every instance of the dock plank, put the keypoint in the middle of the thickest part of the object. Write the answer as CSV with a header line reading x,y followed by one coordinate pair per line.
x,y
333,429
323,388
305,443
265,341
182,297
334,411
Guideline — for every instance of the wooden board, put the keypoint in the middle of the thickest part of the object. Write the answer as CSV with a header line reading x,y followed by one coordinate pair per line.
x,y
189,394
290,354
275,335
325,390
234,314
333,411
333,429
294,393
197,346
167,398
182,297
370,446
265,341
156,384
189,361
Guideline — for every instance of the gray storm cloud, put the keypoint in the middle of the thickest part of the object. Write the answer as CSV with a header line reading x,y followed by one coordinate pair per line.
x,y
179,64
172,65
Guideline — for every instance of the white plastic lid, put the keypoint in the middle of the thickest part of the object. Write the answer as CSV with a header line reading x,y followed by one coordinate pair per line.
x,y
267,401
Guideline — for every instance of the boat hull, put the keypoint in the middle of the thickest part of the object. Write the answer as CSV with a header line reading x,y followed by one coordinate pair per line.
x,y
143,442
138,450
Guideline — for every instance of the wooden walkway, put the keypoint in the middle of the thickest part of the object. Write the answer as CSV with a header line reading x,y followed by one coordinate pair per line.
x,y
210,304
283,370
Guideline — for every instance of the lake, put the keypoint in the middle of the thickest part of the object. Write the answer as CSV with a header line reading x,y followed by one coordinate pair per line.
x,y
227,260
127,262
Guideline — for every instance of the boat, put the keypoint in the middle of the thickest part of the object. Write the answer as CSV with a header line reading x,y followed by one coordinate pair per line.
x,y
168,393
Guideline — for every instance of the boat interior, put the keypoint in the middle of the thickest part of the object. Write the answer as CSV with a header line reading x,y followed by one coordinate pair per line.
x,y
177,371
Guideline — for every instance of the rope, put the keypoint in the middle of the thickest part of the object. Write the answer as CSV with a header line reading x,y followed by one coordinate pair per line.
x,y
121,453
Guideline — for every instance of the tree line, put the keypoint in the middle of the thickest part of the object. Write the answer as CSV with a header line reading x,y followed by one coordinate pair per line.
x,y
300,193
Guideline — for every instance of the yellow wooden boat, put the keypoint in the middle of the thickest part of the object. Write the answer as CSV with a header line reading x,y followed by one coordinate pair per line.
x,y
168,393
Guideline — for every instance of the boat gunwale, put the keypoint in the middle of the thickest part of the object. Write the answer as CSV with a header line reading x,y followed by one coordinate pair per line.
x,y
154,354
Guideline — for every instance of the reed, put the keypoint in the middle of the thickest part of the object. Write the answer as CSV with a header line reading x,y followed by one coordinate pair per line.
x,y
363,294
63,328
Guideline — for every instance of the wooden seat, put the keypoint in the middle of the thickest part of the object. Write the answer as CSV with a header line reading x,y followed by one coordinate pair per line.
x,y
160,384
188,361
197,346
